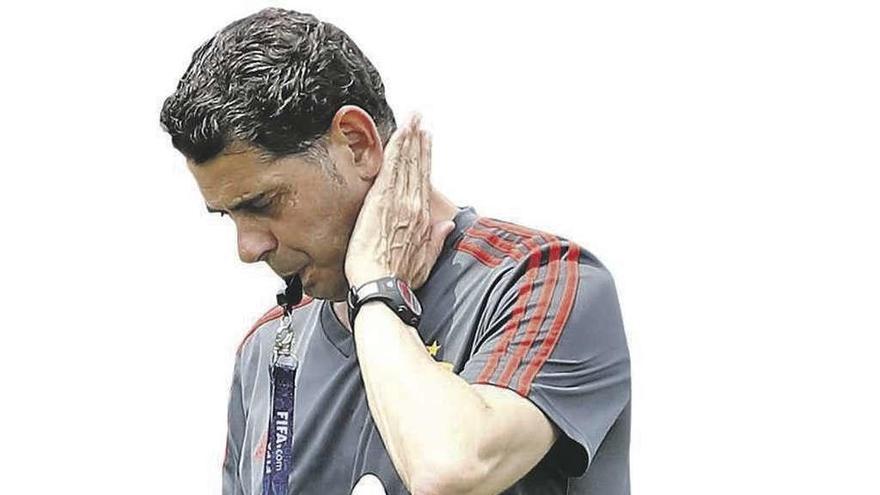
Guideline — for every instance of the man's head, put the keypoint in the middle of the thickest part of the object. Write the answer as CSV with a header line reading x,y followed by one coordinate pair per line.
x,y
283,120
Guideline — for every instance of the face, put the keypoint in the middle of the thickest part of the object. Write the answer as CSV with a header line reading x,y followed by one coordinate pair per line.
x,y
292,213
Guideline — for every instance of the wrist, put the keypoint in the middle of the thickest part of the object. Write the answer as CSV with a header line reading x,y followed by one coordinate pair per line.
x,y
391,292
376,318
363,276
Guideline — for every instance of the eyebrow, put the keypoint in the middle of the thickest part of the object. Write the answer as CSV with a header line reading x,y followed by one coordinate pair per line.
x,y
246,202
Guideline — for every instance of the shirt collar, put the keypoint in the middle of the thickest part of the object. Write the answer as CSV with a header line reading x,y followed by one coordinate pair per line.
x,y
335,331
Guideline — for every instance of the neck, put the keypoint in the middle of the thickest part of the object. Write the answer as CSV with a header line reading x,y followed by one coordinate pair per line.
x,y
441,209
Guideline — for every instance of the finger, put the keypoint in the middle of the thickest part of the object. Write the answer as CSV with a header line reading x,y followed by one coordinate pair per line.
x,y
407,163
427,141
439,232
393,147
416,160
415,122
426,168
420,185
392,165
397,165
406,221
392,153
420,199
414,155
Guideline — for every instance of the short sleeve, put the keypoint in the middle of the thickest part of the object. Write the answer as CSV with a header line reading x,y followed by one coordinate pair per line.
x,y
556,337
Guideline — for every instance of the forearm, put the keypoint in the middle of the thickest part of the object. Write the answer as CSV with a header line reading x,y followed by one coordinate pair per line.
x,y
432,422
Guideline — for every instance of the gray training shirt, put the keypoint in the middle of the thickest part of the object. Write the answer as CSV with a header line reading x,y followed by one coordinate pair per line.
x,y
504,305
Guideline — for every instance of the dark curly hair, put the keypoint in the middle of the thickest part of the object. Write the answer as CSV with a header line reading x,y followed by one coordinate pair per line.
x,y
274,79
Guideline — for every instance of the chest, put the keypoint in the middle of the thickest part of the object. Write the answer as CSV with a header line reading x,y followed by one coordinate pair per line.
x,y
335,442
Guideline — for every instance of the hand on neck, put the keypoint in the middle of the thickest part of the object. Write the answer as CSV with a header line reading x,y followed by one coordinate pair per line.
x,y
441,209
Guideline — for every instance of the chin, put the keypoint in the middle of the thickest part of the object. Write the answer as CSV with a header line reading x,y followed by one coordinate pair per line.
x,y
338,292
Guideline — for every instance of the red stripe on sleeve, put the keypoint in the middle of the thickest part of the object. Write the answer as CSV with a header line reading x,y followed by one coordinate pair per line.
x,y
512,248
519,308
479,253
536,320
513,228
497,242
487,230
572,278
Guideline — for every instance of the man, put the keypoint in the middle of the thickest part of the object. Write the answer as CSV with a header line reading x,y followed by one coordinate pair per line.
x,y
512,377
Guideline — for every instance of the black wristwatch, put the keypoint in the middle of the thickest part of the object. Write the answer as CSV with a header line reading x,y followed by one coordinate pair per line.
x,y
392,291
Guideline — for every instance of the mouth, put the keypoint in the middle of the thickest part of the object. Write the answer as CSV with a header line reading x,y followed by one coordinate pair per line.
x,y
297,274
290,274
293,280
292,292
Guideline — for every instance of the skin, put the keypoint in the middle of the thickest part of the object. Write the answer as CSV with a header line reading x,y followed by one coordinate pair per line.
x,y
309,222
381,217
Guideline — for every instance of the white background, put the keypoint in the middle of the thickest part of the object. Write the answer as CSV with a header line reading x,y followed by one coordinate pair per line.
x,y
720,157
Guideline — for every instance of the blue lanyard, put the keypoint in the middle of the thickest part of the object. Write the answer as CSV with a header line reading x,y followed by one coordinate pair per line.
x,y
279,444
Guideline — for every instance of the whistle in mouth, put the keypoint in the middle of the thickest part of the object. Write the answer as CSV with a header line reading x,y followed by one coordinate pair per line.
x,y
290,295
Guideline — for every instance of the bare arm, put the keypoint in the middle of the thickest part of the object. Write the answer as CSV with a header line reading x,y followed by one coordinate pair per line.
x,y
443,434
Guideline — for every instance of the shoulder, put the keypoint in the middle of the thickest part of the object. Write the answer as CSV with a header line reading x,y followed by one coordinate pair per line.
x,y
540,282
273,314
493,242
498,243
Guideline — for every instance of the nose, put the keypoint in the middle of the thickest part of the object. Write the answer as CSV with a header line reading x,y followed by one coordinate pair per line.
x,y
254,241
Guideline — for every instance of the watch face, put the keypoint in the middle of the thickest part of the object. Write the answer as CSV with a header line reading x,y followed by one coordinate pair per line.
x,y
409,298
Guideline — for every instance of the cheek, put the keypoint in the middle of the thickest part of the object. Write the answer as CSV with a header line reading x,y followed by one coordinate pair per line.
x,y
329,244
330,240
318,220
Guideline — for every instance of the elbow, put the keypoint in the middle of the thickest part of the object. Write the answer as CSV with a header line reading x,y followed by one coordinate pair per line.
x,y
445,478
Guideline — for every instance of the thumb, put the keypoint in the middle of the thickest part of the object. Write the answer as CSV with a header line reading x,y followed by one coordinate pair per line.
x,y
439,232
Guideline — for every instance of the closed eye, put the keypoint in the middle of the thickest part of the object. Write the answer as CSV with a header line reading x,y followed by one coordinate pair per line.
x,y
262,207
261,204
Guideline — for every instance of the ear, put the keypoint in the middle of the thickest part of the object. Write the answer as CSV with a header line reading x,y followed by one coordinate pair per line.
x,y
353,128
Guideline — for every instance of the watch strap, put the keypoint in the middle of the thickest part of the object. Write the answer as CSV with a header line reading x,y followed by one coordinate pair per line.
x,y
393,292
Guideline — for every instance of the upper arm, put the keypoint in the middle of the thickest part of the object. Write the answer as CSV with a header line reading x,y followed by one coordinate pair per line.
x,y
555,339
519,437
